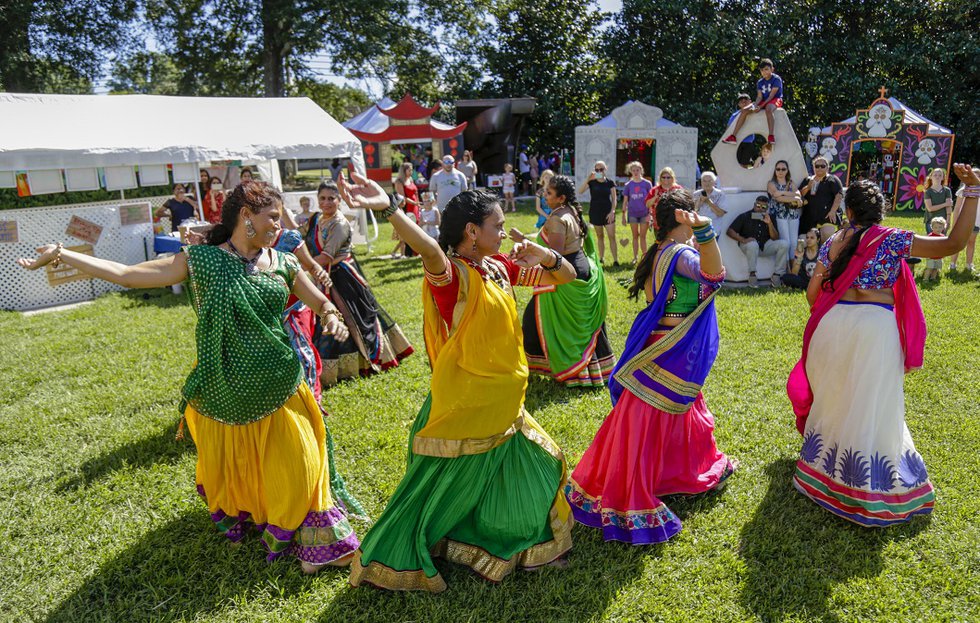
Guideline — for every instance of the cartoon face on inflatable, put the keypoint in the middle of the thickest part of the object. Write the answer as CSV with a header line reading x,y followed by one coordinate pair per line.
x,y
879,121
828,148
813,134
926,152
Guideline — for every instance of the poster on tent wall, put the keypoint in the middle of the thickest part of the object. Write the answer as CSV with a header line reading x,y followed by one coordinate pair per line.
x,y
134,214
82,179
83,230
8,232
23,185
46,181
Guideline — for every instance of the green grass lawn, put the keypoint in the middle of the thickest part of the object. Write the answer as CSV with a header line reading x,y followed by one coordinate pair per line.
x,y
101,522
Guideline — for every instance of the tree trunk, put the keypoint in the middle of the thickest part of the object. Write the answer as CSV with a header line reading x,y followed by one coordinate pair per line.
x,y
273,59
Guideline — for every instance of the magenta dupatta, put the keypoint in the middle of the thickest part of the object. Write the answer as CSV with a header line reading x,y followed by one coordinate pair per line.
x,y
908,315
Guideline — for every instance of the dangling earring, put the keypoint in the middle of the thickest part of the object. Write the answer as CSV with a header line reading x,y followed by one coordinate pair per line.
x,y
474,246
249,230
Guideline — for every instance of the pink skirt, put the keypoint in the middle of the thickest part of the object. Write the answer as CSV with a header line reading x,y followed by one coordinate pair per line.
x,y
639,454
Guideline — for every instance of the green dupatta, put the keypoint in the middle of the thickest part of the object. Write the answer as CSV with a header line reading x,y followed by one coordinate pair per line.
x,y
246,368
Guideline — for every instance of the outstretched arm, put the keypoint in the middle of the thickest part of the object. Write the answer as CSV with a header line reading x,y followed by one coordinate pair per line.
x,y
933,246
365,193
306,291
153,274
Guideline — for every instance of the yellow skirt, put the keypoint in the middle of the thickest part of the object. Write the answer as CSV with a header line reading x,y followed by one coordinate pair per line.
x,y
273,475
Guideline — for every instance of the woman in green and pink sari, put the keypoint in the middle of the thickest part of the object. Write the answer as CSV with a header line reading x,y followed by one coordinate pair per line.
x,y
565,326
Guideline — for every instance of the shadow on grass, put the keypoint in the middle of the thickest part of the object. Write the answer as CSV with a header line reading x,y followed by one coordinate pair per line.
x,y
796,553
596,573
160,448
155,297
180,571
543,391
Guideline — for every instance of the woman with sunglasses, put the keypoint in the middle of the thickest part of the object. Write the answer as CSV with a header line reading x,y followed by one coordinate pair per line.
x,y
785,204
667,182
602,208
822,195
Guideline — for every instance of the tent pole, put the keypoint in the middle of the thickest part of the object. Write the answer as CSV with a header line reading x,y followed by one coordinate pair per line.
x,y
200,199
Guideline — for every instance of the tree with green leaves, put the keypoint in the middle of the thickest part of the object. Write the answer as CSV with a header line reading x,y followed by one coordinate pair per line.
x,y
48,46
548,51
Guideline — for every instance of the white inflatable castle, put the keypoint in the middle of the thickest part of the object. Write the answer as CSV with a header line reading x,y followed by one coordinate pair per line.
x,y
743,176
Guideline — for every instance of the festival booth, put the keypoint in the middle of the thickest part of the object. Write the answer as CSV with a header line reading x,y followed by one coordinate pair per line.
x,y
58,143
406,127
637,131
891,144
744,170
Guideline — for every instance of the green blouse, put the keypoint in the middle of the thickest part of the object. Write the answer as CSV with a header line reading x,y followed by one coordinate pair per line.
x,y
246,368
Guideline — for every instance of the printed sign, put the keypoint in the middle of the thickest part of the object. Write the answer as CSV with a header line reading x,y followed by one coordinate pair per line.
x,y
8,231
64,273
84,230
134,214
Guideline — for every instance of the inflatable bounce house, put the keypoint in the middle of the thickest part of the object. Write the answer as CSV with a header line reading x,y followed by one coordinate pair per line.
x,y
637,131
891,144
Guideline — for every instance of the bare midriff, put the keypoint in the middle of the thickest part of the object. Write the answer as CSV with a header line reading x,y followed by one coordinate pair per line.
x,y
860,295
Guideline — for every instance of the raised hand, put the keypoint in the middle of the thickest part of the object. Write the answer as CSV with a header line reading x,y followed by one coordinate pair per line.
x,y
516,235
45,255
526,254
363,193
691,219
967,174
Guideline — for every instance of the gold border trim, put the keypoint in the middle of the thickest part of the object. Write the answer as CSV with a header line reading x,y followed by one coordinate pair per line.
x,y
387,578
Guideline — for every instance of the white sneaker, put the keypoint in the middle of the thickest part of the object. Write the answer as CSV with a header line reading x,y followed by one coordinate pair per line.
x,y
775,280
753,282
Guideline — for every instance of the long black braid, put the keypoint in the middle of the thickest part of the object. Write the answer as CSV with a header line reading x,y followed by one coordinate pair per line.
x,y
565,187
666,221
867,207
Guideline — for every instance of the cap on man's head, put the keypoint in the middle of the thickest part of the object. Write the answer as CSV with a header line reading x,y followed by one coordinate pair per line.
x,y
742,96
447,159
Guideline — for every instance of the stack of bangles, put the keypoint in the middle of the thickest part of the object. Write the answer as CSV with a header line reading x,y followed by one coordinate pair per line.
x,y
704,233
972,191
333,311
391,209
56,260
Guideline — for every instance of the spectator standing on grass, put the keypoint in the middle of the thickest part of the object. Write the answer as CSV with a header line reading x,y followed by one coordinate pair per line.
x,y
666,183
602,209
469,169
509,181
971,243
214,199
447,182
784,203
635,211
540,200
524,168
535,166
822,194
938,198
709,200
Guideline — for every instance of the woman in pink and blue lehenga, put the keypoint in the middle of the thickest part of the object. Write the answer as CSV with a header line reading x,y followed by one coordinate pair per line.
x,y
658,440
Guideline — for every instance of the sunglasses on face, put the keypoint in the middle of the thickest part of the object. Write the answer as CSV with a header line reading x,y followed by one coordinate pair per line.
x,y
780,169
666,177
819,166
600,170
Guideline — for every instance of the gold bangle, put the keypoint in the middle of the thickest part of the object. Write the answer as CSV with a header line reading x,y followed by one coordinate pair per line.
x,y
56,261
333,311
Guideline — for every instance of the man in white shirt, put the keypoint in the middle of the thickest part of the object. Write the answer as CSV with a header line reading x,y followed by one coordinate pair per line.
x,y
710,200
447,182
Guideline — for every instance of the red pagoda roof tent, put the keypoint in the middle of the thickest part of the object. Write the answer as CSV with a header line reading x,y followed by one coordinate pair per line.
x,y
406,121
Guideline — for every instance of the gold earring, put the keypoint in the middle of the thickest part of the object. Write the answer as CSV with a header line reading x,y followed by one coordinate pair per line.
x,y
474,246
249,229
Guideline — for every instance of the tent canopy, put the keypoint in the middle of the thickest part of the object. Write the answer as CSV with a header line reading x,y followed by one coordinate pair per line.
x,y
911,116
77,131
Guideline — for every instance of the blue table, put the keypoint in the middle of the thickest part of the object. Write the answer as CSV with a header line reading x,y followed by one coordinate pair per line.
x,y
162,243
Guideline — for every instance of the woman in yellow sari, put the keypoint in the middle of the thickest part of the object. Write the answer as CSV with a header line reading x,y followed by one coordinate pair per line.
x,y
483,486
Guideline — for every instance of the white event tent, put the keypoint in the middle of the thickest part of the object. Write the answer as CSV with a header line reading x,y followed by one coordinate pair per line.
x,y
86,142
